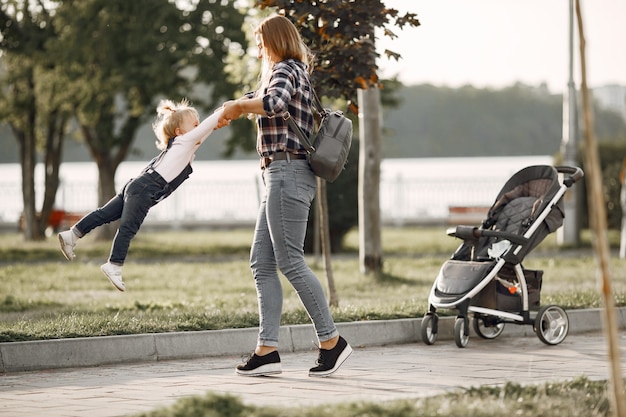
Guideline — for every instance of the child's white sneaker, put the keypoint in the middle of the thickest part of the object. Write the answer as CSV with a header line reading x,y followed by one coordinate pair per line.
x,y
67,240
114,274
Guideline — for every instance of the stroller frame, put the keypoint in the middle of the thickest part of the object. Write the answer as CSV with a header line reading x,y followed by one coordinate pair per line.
x,y
550,322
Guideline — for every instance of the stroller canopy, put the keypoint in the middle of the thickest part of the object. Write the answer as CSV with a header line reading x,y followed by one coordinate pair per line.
x,y
519,203
524,196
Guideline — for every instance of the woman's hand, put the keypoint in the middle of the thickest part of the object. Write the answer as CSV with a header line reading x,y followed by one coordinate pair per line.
x,y
231,111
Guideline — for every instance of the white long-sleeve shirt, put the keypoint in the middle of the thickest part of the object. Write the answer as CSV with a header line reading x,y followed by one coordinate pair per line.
x,y
183,150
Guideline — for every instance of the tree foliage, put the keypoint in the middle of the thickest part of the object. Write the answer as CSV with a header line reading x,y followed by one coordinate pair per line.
x,y
30,103
612,157
462,122
342,35
109,61
122,56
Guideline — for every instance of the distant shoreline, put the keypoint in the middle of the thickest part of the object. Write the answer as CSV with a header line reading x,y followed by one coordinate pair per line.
x,y
413,190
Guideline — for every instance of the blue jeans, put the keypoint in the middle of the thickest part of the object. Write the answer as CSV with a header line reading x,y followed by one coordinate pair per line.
x,y
130,206
290,187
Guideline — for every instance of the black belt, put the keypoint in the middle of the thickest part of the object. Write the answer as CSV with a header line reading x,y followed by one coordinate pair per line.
x,y
280,156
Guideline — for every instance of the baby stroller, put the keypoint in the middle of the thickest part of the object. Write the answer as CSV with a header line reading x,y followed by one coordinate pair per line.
x,y
485,276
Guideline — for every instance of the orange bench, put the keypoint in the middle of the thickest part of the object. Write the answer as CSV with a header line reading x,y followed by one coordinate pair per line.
x,y
58,220
467,215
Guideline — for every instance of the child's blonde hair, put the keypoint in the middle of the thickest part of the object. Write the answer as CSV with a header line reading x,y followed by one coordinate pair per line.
x,y
170,115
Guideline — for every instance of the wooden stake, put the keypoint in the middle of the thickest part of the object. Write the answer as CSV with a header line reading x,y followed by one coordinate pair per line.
x,y
598,223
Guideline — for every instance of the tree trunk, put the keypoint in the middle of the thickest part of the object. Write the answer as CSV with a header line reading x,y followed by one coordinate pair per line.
x,y
325,240
370,251
622,198
28,160
317,215
107,166
106,190
52,161
27,144
35,222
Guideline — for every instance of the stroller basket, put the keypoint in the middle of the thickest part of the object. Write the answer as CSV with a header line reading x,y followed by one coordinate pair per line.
x,y
504,292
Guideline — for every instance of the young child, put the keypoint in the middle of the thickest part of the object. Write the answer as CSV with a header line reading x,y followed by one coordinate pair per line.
x,y
179,135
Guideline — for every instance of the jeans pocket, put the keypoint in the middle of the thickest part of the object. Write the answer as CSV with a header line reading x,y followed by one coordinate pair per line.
x,y
135,187
306,186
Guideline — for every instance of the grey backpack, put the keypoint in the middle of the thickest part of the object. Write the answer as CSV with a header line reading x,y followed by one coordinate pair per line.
x,y
328,148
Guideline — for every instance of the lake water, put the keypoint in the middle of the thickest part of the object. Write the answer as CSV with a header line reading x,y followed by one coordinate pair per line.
x,y
416,189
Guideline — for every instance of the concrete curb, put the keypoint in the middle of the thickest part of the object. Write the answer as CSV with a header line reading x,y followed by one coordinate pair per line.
x,y
94,351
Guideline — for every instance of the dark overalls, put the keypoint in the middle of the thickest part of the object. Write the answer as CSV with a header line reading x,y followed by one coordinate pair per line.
x,y
131,206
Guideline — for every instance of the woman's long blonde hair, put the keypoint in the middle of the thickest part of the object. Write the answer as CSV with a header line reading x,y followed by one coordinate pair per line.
x,y
281,37
170,116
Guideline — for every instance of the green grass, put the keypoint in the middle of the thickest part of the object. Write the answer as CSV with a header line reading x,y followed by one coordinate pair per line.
x,y
578,398
185,281
180,281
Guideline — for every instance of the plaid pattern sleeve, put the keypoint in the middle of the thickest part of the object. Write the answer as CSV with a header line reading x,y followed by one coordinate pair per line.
x,y
289,90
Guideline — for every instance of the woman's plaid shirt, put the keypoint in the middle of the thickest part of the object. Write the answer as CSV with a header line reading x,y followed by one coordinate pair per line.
x,y
289,89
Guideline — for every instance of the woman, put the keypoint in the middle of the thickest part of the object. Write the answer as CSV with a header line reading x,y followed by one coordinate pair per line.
x,y
290,186
179,135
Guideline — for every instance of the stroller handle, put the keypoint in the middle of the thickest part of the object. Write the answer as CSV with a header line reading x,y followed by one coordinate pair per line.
x,y
474,233
575,174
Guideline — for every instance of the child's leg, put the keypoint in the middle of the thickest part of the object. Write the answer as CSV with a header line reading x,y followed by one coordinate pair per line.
x,y
139,197
109,212
134,212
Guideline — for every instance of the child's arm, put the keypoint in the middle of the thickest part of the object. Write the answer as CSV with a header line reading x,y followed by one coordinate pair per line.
x,y
199,134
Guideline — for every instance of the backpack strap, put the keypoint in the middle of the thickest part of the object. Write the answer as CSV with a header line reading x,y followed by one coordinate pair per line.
x,y
304,141
157,159
316,106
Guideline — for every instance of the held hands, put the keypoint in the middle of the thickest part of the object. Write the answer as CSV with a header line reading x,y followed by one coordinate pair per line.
x,y
231,110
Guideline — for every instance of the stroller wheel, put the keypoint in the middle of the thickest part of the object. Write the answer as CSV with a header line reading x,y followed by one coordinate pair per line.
x,y
428,328
486,328
551,324
461,335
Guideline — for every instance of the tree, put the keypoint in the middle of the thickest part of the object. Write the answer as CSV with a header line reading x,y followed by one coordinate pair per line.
x,y
342,36
107,62
32,104
120,57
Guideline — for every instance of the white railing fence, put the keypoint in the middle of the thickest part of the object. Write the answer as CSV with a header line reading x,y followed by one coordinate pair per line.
x,y
402,201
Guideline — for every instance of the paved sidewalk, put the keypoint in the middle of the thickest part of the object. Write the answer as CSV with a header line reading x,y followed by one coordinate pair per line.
x,y
378,373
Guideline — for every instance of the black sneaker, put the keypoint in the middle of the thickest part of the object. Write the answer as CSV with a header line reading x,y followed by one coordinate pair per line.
x,y
260,365
330,360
